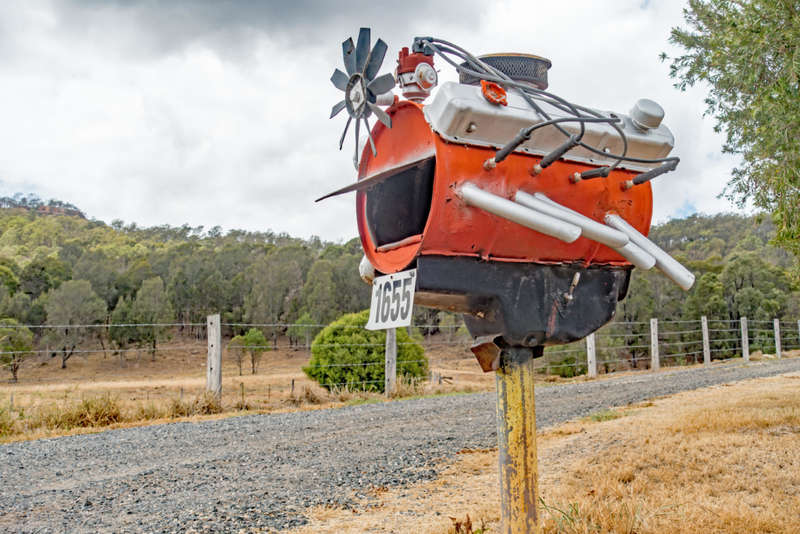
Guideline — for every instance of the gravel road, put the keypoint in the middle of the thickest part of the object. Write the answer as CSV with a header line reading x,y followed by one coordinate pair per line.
x,y
262,471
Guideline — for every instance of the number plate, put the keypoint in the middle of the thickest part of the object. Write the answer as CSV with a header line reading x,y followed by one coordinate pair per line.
x,y
392,300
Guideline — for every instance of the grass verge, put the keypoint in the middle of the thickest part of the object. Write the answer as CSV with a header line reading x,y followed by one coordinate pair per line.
x,y
724,459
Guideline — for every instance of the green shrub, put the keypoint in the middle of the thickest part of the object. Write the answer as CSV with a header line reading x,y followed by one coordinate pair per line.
x,y
566,368
343,354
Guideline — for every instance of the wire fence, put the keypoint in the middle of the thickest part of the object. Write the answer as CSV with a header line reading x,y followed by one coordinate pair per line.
x,y
619,346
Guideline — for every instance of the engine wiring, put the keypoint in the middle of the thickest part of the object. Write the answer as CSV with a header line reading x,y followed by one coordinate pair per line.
x,y
481,70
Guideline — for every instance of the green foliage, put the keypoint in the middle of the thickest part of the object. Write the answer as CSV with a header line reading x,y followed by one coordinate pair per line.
x,y
41,275
74,303
273,279
566,368
748,54
605,414
707,299
343,355
304,328
16,345
255,344
237,350
8,279
152,307
252,344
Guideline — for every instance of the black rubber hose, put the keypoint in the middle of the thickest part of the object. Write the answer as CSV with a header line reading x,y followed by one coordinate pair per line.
x,y
525,134
524,90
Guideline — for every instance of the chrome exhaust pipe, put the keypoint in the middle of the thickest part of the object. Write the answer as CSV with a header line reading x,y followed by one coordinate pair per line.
x,y
589,228
592,229
535,220
664,262
638,257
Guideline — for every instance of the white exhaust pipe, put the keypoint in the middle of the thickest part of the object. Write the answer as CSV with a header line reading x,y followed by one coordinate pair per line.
x,y
589,228
638,257
535,220
664,262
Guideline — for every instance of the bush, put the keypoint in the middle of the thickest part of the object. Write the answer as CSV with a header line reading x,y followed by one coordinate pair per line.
x,y
345,355
566,368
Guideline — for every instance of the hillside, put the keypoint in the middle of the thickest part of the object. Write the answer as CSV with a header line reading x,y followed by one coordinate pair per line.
x,y
62,269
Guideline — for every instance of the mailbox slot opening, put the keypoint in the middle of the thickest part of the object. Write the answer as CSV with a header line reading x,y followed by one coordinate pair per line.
x,y
397,208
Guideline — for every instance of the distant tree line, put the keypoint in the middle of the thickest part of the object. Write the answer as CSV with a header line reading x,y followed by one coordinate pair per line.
x,y
64,271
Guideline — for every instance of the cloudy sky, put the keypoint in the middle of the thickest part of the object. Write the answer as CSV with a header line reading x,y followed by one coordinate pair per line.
x,y
215,112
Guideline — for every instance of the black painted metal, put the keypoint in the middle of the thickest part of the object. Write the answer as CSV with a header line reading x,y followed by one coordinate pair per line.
x,y
523,304
398,207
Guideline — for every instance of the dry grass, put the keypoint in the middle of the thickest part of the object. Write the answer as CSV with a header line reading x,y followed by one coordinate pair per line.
x,y
725,459
90,411
205,404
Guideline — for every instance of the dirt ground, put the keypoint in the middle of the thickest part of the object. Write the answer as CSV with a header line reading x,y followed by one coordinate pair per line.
x,y
723,459
180,364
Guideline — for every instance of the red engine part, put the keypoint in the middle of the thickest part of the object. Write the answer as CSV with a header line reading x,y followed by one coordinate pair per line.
x,y
408,62
416,210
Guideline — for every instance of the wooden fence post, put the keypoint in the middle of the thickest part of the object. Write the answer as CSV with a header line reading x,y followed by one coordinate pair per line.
x,y
591,356
777,324
214,366
706,344
655,359
390,378
745,341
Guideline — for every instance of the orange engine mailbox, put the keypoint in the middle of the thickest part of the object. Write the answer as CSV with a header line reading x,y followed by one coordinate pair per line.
x,y
520,210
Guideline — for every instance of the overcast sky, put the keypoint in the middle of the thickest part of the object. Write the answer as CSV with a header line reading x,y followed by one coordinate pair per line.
x,y
215,112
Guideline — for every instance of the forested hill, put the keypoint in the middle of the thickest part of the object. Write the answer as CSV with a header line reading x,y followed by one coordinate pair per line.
x,y
267,278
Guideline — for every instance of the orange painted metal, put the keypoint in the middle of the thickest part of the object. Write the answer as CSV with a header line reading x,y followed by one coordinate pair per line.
x,y
456,229
494,93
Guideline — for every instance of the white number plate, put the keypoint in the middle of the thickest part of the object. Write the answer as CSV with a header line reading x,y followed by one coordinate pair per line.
x,y
392,300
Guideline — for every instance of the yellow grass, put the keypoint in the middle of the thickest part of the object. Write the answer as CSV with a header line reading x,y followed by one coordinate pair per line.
x,y
725,459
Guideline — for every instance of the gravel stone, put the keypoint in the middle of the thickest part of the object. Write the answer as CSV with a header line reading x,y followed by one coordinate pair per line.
x,y
259,473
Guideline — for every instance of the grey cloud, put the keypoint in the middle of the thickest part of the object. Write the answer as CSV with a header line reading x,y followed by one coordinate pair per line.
x,y
149,28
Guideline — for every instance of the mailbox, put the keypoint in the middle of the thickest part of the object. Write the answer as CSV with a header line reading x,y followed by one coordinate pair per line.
x,y
522,211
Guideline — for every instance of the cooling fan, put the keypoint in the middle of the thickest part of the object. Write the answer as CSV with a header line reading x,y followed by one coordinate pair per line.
x,y
361,86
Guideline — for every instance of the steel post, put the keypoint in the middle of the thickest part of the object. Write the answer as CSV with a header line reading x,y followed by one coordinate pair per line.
x,y
516,430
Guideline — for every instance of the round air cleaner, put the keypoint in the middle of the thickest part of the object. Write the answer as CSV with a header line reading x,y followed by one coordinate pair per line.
x,y
522,68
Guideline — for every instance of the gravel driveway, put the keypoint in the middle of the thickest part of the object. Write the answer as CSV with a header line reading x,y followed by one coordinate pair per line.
x,y
262,471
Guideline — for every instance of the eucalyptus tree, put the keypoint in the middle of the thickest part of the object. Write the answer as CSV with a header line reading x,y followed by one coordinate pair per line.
x,y
747,52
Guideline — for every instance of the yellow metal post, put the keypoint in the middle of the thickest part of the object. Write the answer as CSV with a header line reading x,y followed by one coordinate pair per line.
x,y
516,430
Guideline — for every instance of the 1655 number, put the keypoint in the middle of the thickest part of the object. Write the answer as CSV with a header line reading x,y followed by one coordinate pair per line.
x,y
392,300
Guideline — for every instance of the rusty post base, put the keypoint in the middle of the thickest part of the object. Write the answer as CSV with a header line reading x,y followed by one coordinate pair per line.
x,y
516,430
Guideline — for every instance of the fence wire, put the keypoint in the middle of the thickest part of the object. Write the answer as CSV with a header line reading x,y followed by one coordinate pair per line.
x,y
629,343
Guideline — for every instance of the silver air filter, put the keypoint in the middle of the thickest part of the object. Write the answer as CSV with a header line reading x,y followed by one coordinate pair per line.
x,y
522,68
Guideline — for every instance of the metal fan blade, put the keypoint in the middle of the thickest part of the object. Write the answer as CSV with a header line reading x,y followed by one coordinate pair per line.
x,y
349,54
355,154
382,115
340,80
381,84
371,142
337,108
346,126
375,60
362,50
